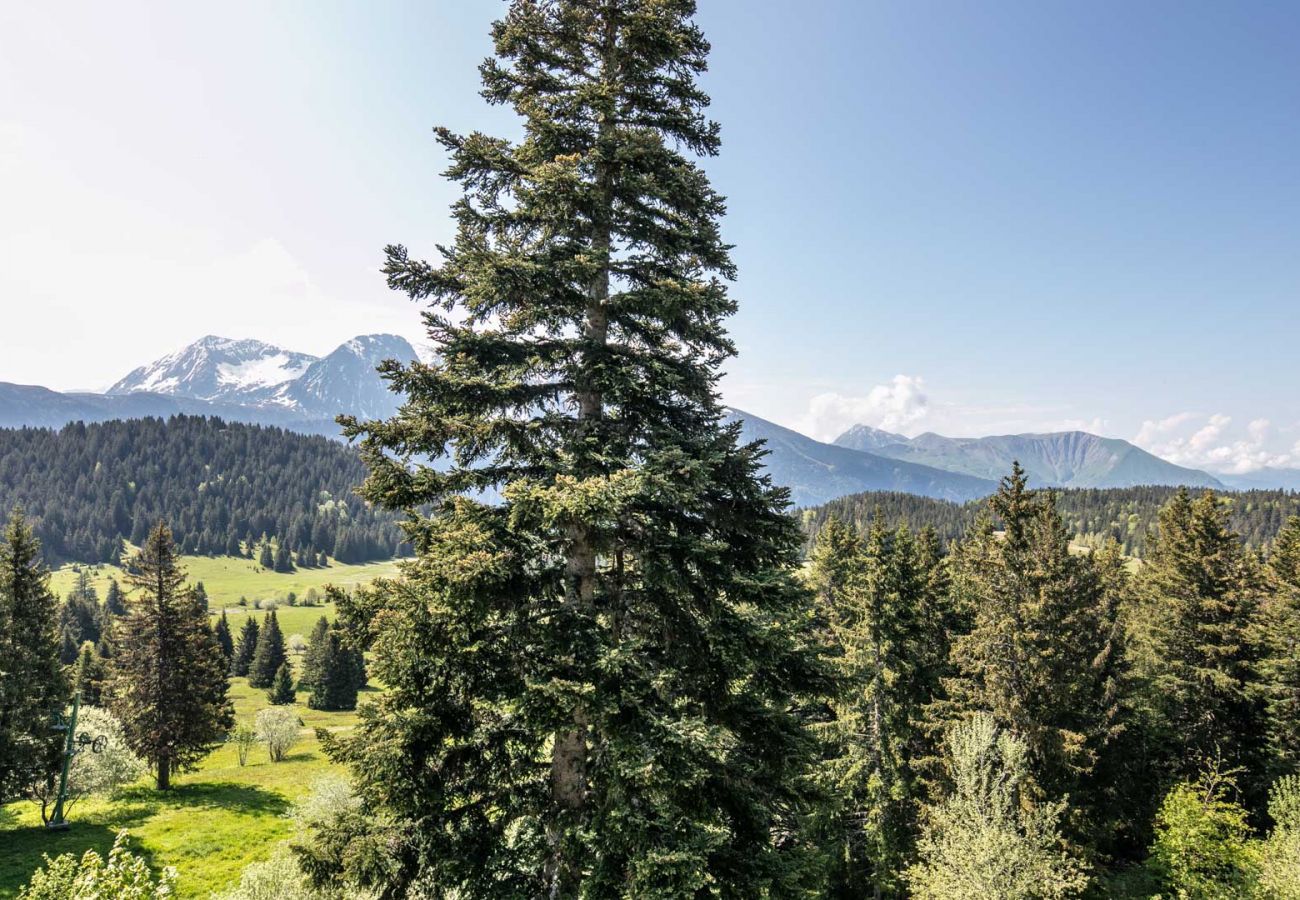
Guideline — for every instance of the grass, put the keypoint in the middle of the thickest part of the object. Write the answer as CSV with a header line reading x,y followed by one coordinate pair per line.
x,y
227,578
216,820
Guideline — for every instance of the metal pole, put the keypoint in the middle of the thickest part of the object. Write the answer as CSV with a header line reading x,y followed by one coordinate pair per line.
x,y
69,750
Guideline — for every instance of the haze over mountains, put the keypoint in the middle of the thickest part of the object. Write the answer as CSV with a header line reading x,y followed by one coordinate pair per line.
x,y
239,380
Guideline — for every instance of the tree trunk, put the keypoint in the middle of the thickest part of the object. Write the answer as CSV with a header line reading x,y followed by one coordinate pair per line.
x,y
164,774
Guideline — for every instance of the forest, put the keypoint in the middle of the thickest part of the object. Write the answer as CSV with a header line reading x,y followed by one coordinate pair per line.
x,y
1093,516
223,487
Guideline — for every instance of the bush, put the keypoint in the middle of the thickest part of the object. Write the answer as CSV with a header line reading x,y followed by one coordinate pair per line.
x,y
92,773
277,727
244,738
985,840
1279,869
297,644
1202,846
124,876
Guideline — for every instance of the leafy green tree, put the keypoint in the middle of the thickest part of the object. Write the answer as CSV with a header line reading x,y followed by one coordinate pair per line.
x,y
224,639
989,838
1194,636
1280,637
1040,622
270,653
242,660
101,771
1202,848
609,665
169,677
281,692
32,683
1279,865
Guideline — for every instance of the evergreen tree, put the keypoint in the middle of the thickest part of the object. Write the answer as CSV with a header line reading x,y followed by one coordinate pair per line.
x,y
114,605
1200,596
270,653
224,639
242,660
627,616
311,660
1038,627
335,686
32,684
281,692
81,618
90,675
283,561
1281,640
266,560
169,677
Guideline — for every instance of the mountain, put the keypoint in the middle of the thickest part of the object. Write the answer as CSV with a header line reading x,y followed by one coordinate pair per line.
x,y
217,369
237,380
1265,479
816,472
868,439
1057,459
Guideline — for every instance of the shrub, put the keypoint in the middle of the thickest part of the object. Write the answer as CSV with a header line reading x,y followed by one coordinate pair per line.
x,y
124,876
1279,869
277,727
244,738
297,644
1202,846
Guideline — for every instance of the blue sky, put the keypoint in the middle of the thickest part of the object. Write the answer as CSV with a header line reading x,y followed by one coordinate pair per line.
x,y
968,218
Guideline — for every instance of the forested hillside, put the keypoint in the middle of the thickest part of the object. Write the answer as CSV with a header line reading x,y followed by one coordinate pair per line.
x,y
224,487
1092,515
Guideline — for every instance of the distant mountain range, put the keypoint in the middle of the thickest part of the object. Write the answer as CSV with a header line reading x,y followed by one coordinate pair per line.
x,y
1073,459
238,380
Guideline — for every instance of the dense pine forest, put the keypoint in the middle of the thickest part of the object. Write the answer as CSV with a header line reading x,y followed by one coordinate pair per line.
x,y
225,488
1093,516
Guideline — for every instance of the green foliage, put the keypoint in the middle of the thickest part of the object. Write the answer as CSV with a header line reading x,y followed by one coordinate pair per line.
x,y
169,677
311,661
242,659
245,738
335,684
988,838
1279,860
281,692
270,654
1202,848
124,876
224,639
32,684
1280,640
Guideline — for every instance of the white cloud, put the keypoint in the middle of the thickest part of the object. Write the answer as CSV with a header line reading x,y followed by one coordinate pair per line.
x,y
1210,442
896,406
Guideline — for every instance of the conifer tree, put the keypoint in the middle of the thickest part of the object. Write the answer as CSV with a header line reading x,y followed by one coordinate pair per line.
x,y
242,660
32,683
610,662
283,561
311,660
169,678
1200,592
1037,626
270,653
281,692
224,639
90,675
81,618
265,559
335,686
1281,640
113,602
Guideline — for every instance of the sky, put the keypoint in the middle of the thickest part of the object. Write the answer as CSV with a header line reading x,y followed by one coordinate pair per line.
x,y
954,217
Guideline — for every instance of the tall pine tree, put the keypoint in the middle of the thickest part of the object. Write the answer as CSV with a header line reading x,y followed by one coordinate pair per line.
x,y
242,660
270,653
169,683
594,687
32,683
1281,640
224,640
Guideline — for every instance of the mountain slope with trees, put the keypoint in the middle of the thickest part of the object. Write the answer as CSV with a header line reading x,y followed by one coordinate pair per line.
x,y
225,487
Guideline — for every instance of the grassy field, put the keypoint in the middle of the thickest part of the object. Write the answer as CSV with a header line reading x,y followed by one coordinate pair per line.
x,y
215,821
227,578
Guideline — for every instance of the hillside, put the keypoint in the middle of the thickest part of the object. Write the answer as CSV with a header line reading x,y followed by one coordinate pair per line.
x,y
221,485
816,472
1056,459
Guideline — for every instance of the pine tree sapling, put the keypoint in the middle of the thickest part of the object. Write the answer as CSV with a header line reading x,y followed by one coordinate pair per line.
x,y
169,683
270,653
281,692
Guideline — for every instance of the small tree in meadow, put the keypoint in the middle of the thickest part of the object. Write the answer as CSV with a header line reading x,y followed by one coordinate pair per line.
x,y
244,737
92,772
270,653
246,648
281,692
277,727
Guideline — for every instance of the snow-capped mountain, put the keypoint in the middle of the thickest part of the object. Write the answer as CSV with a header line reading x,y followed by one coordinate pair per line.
x,y
257,375
220,370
